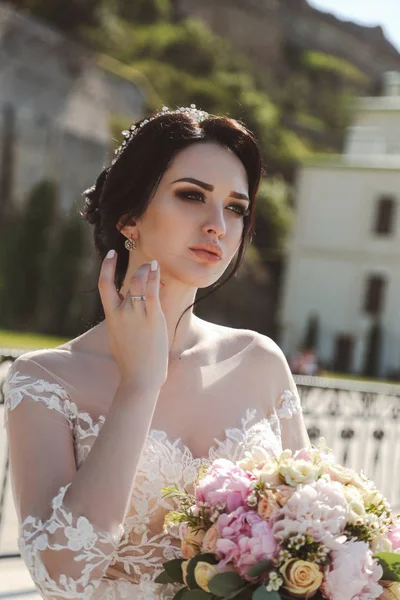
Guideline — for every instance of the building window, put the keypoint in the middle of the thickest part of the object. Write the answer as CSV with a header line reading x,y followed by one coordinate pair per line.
x,y
384,221
374,294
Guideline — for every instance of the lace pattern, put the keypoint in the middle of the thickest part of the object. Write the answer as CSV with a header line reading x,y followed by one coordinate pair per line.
x,y
125,565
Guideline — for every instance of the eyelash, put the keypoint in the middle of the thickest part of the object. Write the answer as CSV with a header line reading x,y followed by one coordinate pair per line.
x,y
243,212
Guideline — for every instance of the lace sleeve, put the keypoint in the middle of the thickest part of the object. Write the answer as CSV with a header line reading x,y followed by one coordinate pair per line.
x,y
289,405
65,553
289,414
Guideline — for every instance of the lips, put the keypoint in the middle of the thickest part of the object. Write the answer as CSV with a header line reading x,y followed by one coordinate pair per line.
x,y
204,255
212,248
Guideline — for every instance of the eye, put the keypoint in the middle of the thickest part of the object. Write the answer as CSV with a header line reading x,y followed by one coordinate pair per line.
x,y
240,210
191,195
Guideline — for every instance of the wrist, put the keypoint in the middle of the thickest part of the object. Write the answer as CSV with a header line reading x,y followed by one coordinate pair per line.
x,y
130,385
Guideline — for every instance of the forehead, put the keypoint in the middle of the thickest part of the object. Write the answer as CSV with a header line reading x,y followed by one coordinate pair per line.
x,y
211,163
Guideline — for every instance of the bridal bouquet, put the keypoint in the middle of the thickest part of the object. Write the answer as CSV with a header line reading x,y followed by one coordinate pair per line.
x,y
296,526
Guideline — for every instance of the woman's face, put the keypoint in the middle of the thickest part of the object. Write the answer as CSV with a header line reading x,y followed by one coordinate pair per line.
x,y
207,208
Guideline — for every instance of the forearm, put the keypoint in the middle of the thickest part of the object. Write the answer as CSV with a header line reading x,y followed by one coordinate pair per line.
x,y
102,487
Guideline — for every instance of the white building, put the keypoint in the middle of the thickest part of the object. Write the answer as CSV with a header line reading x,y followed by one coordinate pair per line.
x,y
344,258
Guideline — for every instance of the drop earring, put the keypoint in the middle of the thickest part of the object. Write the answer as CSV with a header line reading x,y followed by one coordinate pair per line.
x,y
130,244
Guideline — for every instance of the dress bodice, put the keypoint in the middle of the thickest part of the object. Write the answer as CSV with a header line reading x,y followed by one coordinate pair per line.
x,y
123,565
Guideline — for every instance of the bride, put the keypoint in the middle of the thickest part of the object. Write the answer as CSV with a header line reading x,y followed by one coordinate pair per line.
x,y
97,426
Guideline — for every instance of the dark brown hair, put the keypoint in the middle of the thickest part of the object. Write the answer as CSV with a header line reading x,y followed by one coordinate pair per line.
x,y
127,186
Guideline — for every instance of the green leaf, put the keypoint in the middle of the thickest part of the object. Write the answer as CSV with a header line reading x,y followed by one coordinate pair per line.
x,y
180,594
174,569
243,593
261,594
197,594
259,568
390,563
163,578
224,584
208,558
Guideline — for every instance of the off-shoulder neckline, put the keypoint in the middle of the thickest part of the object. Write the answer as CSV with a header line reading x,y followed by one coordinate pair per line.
x,y
95,423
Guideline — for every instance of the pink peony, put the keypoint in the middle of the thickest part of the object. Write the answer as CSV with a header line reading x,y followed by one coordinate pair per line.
x,y
318,508
353,574
225,484
245,539
232,526
394,536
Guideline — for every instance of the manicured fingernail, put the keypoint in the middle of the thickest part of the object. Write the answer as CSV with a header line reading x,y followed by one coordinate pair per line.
x,y
154,265
110,254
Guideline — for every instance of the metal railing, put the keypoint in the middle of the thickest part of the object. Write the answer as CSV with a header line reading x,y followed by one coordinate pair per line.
x,y
360,421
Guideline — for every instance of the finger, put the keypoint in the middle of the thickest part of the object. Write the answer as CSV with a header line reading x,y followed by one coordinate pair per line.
x,y
153,286
137,287
108,292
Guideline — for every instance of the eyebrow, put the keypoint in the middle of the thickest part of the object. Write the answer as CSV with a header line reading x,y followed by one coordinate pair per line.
x,y
210,188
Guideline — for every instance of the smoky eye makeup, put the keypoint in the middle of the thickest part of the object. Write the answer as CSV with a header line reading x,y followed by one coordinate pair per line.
x,y
198,196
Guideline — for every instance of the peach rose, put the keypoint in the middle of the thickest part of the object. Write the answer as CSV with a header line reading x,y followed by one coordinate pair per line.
x,y
267,505
203,572
391,590
192,542
184,567
210,539
283,493
301,578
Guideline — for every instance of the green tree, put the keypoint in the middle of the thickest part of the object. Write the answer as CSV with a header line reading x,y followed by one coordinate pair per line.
x,y
373,349
311,337
62,276
26,247
144,11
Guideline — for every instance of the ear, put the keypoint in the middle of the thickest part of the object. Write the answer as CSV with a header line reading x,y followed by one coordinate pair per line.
x,y
127,227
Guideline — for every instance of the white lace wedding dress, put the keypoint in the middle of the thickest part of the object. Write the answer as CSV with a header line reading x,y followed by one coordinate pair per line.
x,y
125,565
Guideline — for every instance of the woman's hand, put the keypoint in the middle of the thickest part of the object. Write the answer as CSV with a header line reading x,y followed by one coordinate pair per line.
x,y
137,329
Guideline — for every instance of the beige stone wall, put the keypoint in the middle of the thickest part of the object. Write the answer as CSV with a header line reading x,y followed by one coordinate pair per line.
x,y
61,101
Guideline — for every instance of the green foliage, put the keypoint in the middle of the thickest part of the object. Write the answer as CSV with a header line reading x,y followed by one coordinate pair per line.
x,y
262,594
274,215
25,249
373,351
260,568
390,563
226,584
61,275
311,337
144,11
320,61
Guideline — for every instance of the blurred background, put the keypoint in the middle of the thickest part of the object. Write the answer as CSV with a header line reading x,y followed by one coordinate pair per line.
x,y
321,90
319,83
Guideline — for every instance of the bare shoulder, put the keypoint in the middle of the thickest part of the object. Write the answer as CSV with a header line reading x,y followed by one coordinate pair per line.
x,y
231,340
266,360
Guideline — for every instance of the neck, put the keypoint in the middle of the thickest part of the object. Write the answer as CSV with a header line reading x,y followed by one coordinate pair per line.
x,y
175,297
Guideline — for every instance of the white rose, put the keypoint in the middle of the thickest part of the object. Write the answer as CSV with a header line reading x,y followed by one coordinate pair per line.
x,y
381,544
339,473
270,473
296,472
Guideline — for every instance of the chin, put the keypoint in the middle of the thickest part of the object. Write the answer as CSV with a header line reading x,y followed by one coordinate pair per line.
x,y
199,276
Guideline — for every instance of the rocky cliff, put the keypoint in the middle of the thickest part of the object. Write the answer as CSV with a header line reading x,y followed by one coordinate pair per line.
x,y
264,28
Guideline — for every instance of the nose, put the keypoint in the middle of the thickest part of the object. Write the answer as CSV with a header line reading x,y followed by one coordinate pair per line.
x,y
215,222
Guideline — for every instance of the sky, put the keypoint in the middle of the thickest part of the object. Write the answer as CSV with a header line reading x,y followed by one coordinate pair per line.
x,y
367,12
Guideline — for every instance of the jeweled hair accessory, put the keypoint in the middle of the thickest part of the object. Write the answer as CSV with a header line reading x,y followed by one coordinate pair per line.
x,y
130,133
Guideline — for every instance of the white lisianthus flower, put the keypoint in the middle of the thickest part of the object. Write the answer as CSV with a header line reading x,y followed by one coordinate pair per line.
x,y
296,472
254,459
270,473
